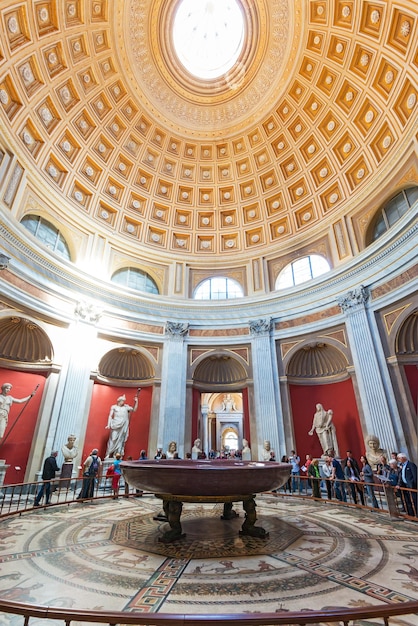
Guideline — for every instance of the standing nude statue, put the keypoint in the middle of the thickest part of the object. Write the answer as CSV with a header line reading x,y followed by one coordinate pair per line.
x,y
323,426
6,402
118,423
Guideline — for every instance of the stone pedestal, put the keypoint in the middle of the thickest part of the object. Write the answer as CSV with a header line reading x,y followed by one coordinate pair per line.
x,y
66,472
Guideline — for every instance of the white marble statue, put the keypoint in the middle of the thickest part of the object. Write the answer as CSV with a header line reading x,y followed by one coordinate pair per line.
x,y
246,451
323,426
70,449
197,449
118,424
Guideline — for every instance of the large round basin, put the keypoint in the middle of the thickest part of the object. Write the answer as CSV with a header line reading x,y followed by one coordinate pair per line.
x,y
211,478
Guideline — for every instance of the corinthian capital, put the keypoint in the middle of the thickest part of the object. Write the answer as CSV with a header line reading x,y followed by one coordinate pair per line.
x,y
353,298
176,329
260,327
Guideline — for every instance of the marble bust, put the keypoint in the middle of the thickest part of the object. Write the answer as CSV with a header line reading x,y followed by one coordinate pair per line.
x,y
246,451
197,448
70,449
374,451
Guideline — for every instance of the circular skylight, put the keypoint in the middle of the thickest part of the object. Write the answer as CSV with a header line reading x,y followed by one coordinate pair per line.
x,y
208,36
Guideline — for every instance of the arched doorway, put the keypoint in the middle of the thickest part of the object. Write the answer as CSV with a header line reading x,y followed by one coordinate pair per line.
x,y
221,421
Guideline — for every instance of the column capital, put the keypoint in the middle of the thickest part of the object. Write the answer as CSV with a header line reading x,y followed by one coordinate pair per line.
x,y
354,298
260,327
176,330
87,312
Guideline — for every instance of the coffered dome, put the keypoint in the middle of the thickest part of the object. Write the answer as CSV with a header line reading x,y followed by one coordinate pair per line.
x,y
293,148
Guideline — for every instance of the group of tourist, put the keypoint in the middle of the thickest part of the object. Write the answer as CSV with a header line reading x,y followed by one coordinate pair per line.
x,y
357,479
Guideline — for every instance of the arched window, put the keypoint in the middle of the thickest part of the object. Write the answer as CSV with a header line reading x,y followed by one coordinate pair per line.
x,y
388,215
135,279
218,288
47,233
302,270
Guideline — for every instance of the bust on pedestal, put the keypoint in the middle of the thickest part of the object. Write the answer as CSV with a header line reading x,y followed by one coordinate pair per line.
x,y
197,449
246,452
70,452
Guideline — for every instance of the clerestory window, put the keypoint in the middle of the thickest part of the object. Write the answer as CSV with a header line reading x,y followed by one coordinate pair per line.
x,y
218,288
302,270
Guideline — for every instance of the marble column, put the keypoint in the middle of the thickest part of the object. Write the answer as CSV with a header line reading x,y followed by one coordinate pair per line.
x,y
268,410
73,394
171,424
381,416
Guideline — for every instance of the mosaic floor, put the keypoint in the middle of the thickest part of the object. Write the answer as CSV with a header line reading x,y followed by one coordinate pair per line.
x,y
106,555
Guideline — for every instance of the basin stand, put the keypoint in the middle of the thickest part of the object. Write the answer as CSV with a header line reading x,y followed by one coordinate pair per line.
x,y
173,506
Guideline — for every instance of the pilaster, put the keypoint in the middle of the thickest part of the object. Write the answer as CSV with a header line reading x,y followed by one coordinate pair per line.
x,y
268,411
374,384
171,425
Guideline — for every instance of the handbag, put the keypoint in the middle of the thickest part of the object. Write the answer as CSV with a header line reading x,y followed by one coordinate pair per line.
x,y
110,471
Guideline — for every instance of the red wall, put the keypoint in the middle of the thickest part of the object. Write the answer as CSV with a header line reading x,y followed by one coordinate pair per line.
x,y
18,439
411,372
97,435
341,399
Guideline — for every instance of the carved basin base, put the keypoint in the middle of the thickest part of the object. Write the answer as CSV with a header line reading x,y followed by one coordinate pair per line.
x,y
173,507
178,481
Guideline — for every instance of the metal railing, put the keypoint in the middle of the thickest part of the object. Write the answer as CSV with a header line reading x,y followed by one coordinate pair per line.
x,y
19,498
294,618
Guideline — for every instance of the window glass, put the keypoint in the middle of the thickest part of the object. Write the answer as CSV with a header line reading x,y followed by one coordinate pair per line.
x,y
302,270
393,211
135,279
218,288
47,234
208,36
412,195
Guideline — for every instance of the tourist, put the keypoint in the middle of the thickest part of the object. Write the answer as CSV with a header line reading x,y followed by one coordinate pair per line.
x,y
407,479
294,460
367,477
337,476
352,474
315,478
48,474
91,471
326,471
117,472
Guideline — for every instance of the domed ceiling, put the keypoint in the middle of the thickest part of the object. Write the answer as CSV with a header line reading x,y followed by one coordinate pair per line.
x,y
286,148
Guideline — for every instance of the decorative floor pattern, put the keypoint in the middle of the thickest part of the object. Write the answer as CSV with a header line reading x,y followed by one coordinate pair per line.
x,y
106,555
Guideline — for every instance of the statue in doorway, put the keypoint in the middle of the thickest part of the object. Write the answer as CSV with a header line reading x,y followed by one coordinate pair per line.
x,y
323,426
246,451
197,449
228,403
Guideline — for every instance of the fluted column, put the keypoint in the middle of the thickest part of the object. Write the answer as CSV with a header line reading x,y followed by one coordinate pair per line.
x,y
171,426
268,410
73,393
376,393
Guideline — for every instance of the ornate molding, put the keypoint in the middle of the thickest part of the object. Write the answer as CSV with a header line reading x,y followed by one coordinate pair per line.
x,y
176,330
87,312
260,327
354,298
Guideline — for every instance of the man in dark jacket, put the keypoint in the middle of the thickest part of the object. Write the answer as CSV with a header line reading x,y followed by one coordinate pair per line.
x,y
408,480
48,474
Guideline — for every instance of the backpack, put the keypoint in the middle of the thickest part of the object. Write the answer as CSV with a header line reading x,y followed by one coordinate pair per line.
x,y
94,465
